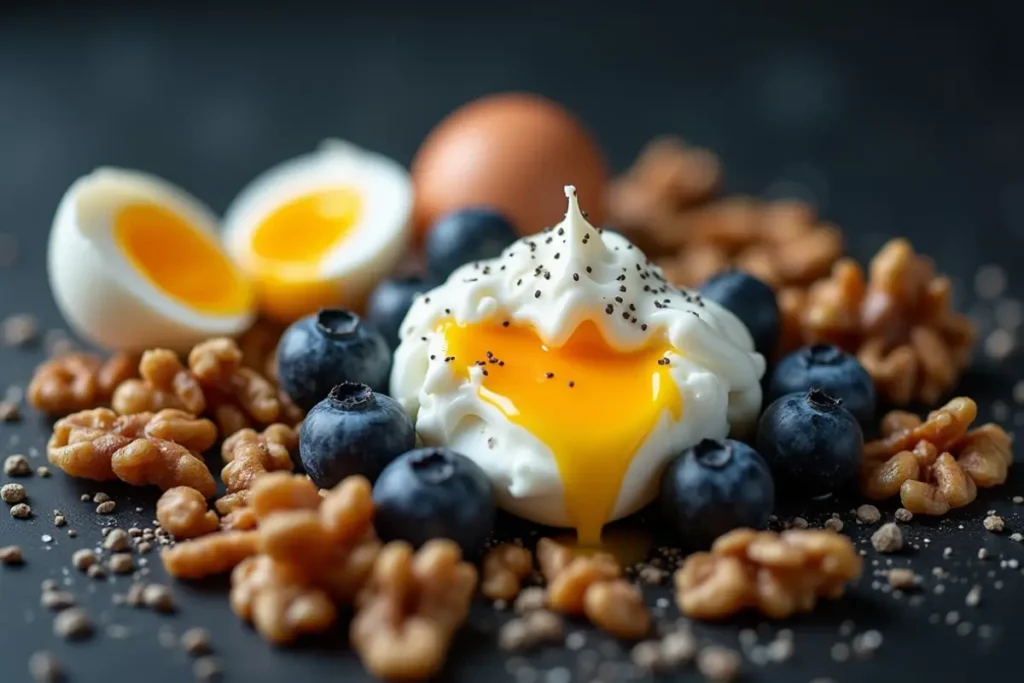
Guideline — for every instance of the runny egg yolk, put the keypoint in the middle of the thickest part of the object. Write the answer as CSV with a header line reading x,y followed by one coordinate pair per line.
x,y
292,242
179,260
591,404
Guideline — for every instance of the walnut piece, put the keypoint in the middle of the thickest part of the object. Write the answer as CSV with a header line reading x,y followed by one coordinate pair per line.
x,y
503,569
213,554
249,454
182,512
897,319
410,609
777,574
165,384
237,396
77,381
938,463
142,449
591,585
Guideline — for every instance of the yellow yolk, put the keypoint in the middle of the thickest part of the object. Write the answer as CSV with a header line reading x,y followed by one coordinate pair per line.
x,y
592,405
292,241
182,262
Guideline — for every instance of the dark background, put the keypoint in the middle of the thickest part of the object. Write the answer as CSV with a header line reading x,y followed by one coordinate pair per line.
x,y
894,120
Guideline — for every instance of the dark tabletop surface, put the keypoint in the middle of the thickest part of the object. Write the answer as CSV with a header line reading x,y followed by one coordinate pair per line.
x,y
894,121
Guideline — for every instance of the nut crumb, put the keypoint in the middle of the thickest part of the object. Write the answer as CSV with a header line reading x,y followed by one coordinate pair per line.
x,y
59,520
57,600
19,330
100,497
121,563
196,641
888,538
21,511
834,524
503,569
1016,537
44,668
719,664
530,600
116,541
106,508
12,494
158,598
903,579
182,512
96,572
11,555
17,466
9,411
43,471
867,643
537,628
868,514
982,553
208,670
994,523
72,624
83,559
973,598
904,515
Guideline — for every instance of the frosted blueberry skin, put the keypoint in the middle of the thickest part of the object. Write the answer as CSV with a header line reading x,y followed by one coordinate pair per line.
x,y
812,444
474,234
353,431
750,300
830,369
713,488
435,493
327,348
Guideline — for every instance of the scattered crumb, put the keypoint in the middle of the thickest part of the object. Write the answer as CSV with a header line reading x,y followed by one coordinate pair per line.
x,y
530,600
798,523
59,520
133,597
121,563
85,498
106,507
96,572
1016,537
12,494
144,547
158,598
83,559
57,600
1018,500
994,523
9,411
840,652
196,641
17,466
904,515
868,514
43,471
834,524
947,553
903,579
100,497
867,643
44,668
536,628
72,624
652,576
11,555
888,538
719,664
19,330
116,541
21,511
973,597
208,670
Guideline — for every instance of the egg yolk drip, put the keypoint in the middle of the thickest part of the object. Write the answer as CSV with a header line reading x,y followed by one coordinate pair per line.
x,y
591,404
291,243
182,262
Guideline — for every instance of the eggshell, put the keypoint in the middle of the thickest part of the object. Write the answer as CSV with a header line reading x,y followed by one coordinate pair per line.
x,y
513,152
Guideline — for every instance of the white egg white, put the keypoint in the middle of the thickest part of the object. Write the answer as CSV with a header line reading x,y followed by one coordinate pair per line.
x,y
716,370
99,291
378,239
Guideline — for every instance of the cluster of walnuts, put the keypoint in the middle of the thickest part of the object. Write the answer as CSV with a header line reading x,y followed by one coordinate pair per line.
x,y
897,318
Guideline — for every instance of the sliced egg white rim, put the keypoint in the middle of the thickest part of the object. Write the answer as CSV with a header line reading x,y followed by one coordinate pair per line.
x,y
90,208
383,185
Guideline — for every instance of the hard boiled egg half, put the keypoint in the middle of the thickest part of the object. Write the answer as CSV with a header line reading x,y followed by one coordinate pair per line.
x,y
320,230
135,262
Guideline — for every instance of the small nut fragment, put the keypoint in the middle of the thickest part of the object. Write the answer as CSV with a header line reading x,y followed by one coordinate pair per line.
x,y
116,541
17,466
887,539
13,494
45,668
182,512
11,555
196,641
158,598
719,664
122,563
106,508
868,514
994,523
503,569
83,559
778,574
210,555
72,624
21,511
903,579
538,627
618,608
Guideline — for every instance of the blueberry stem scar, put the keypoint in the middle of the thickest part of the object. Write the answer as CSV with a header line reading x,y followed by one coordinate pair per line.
x,y
337,323
351,396
820,400
711,453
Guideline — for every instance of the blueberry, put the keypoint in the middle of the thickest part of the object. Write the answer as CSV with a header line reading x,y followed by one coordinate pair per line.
x,y
830,369
327,348
713,488
434,493
750,300
390,301
811,442
353,431
466,235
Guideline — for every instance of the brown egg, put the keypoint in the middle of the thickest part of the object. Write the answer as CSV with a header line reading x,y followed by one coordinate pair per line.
x,y
514,152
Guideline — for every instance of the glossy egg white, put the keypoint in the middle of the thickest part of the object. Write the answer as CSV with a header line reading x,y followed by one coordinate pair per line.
x,y
100,292
352,267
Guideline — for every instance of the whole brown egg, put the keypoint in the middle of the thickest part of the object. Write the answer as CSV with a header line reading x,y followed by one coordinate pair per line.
x,y
513,152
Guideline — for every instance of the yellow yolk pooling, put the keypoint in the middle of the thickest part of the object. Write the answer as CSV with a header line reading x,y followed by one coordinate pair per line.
x,y
303,230
592,405
292,242
180,260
